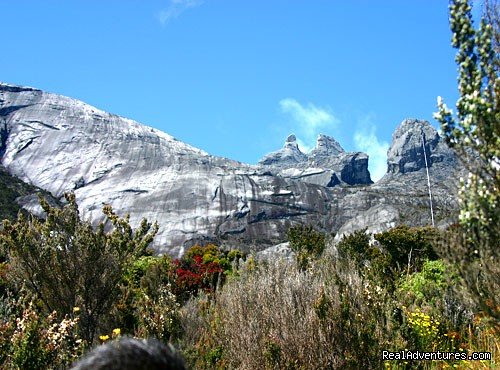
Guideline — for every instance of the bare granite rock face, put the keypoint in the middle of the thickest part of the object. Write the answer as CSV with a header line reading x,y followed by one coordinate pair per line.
x,y
61,144
406,153
402,195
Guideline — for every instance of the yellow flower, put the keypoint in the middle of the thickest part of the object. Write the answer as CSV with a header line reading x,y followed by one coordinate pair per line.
x,y
76,309
104,338
116,332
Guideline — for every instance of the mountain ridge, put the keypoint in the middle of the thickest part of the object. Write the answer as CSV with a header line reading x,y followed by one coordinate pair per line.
x,y
62,144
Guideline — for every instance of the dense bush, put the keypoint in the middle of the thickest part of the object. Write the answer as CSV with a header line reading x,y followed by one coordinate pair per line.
x,y
408,247
307,243
147,305
355,246
202,269
34,340
66,263
427,285
400,250
277,316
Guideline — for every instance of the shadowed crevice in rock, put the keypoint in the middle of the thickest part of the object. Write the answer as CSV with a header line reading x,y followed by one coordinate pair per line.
x,y
4,134
5,111
17,89
27,144
44,124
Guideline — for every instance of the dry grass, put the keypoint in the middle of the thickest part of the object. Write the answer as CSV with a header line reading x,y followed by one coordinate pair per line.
x,y
277,317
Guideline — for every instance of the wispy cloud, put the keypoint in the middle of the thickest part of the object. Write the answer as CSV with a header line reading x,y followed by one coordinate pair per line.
x,y
365,140
176,8
308,121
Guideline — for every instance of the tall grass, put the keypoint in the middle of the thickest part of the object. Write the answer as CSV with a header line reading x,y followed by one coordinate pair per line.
x,y
277,316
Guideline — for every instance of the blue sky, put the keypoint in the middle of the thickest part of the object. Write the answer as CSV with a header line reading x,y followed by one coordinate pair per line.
x,y
235,77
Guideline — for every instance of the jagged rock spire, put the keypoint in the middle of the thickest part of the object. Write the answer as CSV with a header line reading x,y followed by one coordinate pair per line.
x,y
405,153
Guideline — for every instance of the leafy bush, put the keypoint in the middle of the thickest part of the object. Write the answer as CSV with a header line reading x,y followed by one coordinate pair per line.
x,y
37,341
474,131
147,306
355,245
66,263
202,269
157,314
401,249
427,285
4,281
408,247
307,243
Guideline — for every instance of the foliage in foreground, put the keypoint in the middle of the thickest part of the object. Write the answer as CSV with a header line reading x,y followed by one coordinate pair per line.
x,y
475,133
66,263
342,311
307,243
76,282
336,314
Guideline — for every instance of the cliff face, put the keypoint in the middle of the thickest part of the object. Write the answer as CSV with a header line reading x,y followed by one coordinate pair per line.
x,y
402,195
406,153
61,144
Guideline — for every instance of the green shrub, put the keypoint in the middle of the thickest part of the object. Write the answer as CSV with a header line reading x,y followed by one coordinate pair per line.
x,y
157,314
38,341
474,132
67,263
138,269
372,262
355,245
307,243
427,285
146,291
408,247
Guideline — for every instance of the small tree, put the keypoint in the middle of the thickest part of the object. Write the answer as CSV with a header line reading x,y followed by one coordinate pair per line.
x,y
408,247
67,263
475,130
475,133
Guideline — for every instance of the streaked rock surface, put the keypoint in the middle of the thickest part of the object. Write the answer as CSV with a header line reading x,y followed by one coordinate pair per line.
x,y
61,144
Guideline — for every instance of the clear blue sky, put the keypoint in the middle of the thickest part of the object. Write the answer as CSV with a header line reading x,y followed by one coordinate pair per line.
x,y
236,77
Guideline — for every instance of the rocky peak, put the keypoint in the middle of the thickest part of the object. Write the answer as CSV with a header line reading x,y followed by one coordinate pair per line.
x,y
327,150
327,145
61,144
406,151
291,143
287,157
328,164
